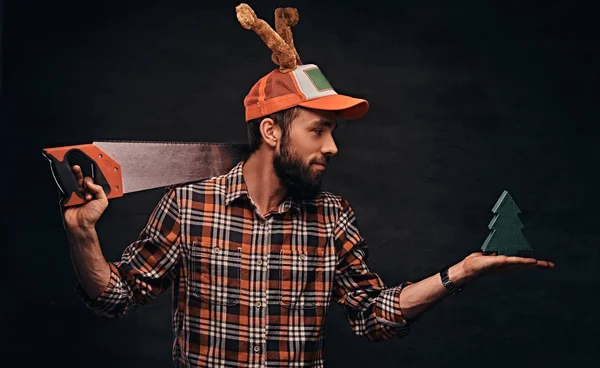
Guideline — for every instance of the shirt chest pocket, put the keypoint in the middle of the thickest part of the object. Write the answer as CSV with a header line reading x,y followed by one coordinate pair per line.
x,y
305,278
215,273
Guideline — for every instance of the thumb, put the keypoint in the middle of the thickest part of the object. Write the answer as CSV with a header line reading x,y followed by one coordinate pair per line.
x,y
94,189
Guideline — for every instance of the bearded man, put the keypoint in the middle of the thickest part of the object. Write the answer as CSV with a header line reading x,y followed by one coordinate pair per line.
x,y
255,257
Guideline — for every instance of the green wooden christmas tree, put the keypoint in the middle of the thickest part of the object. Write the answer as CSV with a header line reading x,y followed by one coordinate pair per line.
x,y
506,235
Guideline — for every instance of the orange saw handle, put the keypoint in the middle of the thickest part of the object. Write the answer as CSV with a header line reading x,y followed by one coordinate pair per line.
x,y
94,163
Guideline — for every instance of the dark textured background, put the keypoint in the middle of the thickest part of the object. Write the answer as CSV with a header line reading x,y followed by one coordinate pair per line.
x,y
468,99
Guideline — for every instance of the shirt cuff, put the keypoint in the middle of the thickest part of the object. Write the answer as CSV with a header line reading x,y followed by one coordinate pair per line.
x,y
388,307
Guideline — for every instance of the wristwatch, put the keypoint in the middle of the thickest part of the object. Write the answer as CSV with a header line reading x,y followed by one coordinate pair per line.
x,y
448,284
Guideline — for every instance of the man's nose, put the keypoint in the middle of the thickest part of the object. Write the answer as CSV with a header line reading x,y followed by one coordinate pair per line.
x,y
329,148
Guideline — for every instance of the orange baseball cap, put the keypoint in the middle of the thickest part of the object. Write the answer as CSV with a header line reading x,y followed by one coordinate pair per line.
x,y
304,86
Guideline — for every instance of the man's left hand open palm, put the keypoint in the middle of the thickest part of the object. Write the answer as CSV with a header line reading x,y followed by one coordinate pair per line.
x,y
480,263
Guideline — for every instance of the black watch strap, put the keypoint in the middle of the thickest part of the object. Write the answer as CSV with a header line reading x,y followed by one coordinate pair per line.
x,y
448,284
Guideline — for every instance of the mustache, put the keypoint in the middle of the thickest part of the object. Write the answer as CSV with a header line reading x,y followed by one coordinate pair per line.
x,y
324,161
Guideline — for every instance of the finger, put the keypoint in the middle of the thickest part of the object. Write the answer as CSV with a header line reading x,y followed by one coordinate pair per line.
x,y
534,262
545,264
78,175
84,189
94,189
537,264
520,260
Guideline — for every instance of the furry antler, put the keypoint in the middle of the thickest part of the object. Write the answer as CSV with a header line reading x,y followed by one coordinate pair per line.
x,y
283,54
285,19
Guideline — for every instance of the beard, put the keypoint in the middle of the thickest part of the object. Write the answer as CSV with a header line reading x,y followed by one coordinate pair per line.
x,y
295,175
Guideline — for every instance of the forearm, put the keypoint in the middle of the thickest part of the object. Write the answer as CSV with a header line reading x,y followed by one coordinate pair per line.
x,y
89,263
420,296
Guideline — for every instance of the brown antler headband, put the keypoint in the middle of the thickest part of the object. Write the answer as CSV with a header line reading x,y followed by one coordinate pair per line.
x,y
280,42
285,19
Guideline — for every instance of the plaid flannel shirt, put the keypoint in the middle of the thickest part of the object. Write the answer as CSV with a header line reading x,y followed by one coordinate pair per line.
x,y
251,291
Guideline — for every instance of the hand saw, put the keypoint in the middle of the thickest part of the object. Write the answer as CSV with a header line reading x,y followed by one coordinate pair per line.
x,y
122,167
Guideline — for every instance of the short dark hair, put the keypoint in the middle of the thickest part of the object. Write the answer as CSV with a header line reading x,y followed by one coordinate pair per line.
x,y
282,118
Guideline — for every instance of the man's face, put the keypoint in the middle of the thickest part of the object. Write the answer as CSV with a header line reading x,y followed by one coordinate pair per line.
x,y
304,152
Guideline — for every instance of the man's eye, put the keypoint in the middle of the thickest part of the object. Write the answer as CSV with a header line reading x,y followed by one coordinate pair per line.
x,y
319,131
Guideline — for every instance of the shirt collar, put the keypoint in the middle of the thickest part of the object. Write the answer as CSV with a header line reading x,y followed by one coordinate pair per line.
x,y
237,188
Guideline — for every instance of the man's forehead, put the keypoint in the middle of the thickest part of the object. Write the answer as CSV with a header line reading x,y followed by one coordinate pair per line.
x,y
323,117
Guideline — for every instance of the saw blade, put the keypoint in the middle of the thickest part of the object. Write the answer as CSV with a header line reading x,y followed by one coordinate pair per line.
x,y
153,164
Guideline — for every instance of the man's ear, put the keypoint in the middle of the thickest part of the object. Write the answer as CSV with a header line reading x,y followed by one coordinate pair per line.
x,y
270,132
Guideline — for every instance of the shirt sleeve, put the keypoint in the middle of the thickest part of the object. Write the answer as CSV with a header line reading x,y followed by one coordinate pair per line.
x,y
147,266
373,309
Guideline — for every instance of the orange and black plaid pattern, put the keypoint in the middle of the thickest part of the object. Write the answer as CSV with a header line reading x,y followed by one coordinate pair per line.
x,y
248,290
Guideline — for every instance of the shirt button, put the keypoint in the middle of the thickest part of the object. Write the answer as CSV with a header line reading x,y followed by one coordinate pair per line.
x,y
259,262
256,348
302,256
258,304
216,250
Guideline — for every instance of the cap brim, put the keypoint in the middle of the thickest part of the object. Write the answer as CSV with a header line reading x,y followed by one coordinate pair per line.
x,y
346,106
